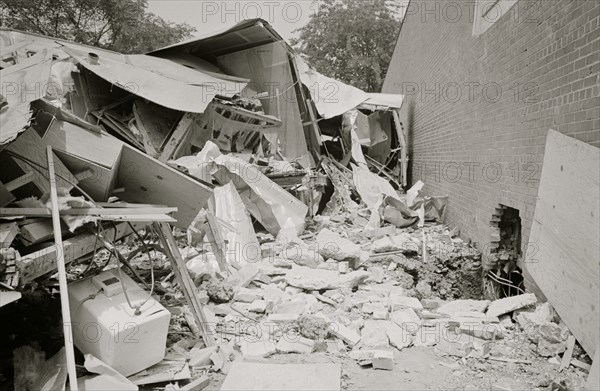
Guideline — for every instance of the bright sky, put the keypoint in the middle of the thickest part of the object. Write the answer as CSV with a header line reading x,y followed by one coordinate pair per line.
x,y
210,15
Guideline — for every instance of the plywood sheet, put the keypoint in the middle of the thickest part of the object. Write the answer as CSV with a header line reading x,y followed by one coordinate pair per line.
x,y
249,376
100,148
30,146
563,255
146,180
101,181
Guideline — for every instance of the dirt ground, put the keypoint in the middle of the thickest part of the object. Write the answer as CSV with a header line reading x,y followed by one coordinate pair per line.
x,y
448,274
421,368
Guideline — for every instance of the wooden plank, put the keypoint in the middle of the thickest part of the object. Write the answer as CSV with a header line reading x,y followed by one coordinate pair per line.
x,y
46,212
593,380
147,180
164,371
566,358
100,148
62,275
216,241
314,121
196,385
141,218
403,150
41,262
126,205
30,146
8,232
37,231
20,181
563,255
179,135
251,376
185,281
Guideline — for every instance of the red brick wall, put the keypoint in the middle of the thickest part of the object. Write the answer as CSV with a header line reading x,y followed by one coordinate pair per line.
x,y
536,68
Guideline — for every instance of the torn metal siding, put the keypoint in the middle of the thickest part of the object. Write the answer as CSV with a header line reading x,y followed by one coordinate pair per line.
x,y
21,84
160,81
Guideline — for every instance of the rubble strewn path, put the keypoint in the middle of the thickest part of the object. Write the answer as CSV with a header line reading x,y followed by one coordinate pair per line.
x,y
390,320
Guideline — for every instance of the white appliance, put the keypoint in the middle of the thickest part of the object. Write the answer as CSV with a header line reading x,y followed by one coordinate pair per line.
x,y
106,326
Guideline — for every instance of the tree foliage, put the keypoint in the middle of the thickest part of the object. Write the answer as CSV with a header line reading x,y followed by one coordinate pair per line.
x,y
351,40
120,25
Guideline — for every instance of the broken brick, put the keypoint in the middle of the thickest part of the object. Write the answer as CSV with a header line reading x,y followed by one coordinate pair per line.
x,y
383,360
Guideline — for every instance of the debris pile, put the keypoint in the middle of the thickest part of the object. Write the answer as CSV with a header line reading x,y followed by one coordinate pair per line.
x,y
215,221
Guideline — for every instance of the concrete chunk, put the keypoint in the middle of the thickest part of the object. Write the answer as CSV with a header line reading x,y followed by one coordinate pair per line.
x,y
258,306
369,308
374,334
455,345
257,348
458,306
299,345
407,319
317,280
510,304
383,360
245,295
402,242
380,314
427,336
401,302
283,318
331,245
543,313
398,337
344,333
377,274
488,332
431,304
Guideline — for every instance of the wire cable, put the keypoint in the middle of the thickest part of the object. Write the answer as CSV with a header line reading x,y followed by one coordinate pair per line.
x,y
38,167
493,276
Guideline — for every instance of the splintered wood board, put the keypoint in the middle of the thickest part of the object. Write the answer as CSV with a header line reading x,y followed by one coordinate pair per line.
x,y
146,180
250,376
563,256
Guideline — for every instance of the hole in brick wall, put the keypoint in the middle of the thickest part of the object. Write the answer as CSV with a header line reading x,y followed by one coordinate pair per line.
x,y
504,277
